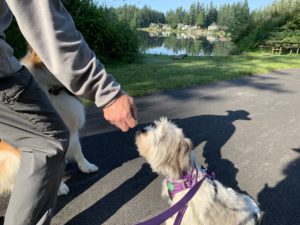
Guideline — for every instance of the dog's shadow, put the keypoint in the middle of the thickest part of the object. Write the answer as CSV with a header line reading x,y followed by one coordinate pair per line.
x,y
281,204
214,131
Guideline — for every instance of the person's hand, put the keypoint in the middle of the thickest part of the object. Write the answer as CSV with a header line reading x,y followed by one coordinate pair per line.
x,y
121,112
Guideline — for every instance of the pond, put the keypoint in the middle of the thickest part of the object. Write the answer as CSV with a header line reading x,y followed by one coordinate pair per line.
x,y
171,44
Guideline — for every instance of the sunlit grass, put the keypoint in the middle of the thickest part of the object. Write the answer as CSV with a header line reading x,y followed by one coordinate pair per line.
x,y
158,73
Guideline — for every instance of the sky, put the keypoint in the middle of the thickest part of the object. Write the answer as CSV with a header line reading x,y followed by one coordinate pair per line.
x,y
166,5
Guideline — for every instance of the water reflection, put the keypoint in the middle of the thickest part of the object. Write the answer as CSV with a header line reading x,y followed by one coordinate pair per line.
x,y
172,44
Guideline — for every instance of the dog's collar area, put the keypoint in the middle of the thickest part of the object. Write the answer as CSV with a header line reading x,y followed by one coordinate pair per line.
x,y
179,207
188,181
55,90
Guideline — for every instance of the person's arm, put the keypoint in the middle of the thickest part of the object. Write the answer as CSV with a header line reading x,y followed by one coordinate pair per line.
x,y
50,30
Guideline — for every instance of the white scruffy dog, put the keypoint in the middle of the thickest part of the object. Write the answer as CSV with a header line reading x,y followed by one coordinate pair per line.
x,y
70,110
168,152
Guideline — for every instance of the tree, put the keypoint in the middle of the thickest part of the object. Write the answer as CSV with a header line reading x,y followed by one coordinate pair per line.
x,y
235,18
211,16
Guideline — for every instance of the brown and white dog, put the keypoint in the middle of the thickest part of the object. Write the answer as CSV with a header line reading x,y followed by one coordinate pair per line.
x,y
168,152
70,110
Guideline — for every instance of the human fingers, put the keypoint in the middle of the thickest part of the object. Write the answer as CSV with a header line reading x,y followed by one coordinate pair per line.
x,y
122,126
131,122
133,109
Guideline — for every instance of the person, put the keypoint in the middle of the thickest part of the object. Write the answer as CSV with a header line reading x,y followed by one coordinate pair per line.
x,y
27,119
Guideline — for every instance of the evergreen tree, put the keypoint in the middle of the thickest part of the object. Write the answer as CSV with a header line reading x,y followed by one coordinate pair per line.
x,y
211,16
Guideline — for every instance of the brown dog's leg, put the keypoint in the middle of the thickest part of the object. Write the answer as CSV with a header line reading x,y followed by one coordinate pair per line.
x,y
5,147
9,165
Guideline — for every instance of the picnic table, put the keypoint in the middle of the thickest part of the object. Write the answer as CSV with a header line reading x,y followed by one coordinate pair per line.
x,y
282,46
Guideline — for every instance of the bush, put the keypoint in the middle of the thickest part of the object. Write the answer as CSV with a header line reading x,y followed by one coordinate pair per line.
x,y
274,23
15,38
111,40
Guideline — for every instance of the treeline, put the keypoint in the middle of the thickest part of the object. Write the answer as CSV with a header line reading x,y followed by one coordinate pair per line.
x,y
137,17
111,39
278,21
231,17
198,14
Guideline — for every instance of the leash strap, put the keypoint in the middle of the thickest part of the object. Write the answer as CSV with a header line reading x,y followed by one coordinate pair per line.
x,y
180,205
180,215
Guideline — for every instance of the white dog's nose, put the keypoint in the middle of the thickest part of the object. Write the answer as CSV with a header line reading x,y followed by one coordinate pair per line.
x,y
139,132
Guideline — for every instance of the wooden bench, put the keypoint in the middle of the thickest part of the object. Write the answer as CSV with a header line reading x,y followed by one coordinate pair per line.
x,y
282,46
292,47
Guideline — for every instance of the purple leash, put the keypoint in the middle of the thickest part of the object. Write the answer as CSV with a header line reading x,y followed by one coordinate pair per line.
x,y
179,207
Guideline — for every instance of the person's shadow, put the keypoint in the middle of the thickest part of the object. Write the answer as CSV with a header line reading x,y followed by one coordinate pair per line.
x,y
215,131
281,204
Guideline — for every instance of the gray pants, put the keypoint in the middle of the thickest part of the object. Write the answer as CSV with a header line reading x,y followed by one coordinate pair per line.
x,y
29,122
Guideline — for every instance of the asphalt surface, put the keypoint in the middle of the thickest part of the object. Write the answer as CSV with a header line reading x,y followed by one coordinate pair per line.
x,y
246,130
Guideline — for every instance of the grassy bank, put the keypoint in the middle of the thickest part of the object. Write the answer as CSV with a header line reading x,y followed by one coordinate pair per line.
x,y
158,73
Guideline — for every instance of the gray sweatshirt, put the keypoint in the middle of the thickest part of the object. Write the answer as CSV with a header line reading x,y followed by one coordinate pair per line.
x,y
50,30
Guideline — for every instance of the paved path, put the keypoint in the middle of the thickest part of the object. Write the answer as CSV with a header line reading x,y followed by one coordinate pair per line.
x,y
247,130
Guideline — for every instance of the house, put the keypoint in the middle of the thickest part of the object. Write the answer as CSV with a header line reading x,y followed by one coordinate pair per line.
x,y
213,27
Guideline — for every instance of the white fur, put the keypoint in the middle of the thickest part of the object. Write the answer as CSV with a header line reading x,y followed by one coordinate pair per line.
x,y
9,166
169,153
71,111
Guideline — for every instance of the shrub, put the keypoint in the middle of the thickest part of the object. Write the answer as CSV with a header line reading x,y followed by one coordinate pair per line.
x,y
111,40
15,38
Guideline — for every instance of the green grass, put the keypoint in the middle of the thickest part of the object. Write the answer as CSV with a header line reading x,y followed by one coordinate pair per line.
x,y
158,73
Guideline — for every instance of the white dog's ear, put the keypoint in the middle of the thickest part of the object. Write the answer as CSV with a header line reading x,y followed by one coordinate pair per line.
x,y
188,143
184,154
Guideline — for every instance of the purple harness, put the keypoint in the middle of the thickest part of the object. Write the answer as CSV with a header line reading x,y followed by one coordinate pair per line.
x,y
190,180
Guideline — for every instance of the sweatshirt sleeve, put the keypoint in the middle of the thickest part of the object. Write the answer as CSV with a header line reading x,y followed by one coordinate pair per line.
x,y
50,30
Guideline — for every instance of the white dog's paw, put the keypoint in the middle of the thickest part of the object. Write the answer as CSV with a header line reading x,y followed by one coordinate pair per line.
x,y
87,167
63,189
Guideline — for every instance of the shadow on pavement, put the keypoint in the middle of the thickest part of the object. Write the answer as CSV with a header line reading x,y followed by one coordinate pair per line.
x,y
281,204
107,206
215,130
108,151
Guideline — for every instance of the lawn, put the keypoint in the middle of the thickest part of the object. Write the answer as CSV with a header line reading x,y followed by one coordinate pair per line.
x,y
158,73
